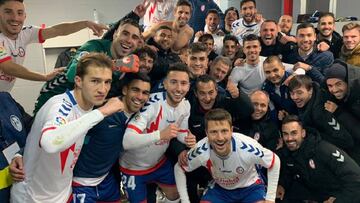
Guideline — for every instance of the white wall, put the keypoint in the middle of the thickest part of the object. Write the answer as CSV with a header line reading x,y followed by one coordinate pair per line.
x,y
51,12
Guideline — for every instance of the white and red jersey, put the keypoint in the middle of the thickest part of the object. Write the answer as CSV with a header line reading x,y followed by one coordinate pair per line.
x,y
240,29
156,115
16,49
237,170
48,176
158,12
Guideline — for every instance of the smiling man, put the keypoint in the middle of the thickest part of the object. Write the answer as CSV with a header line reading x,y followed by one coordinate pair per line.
x,y
350,51
125,40
231,158
57,135
310,99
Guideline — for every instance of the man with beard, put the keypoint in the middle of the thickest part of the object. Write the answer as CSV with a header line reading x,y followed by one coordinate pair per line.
x,y
14,39
231,15
231,159
309,98
343,83
206,98
306,56
313,169
182,32
220,69
212,22
271,43
249,23
350,51
285,24
162,42
164,116
126,39
326,33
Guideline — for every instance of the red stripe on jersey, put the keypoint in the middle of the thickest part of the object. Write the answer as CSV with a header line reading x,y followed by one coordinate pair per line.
x,y
144,172
209,165
64,155
183,130
75,184
40,36
204,201
155,125
134,128
5,59
273,161
70,198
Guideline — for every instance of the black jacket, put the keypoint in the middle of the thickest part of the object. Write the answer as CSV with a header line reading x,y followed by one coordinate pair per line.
x,y
335,44
164,59
348,111
314,115
324,169
277,49
240,109
266,132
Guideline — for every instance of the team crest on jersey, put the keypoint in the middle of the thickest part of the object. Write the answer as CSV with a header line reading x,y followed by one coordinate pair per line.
x,y
16,123
312,164
60,121
81,54
137,117
240,170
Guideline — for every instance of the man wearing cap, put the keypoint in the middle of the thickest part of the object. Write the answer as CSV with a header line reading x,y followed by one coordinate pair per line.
x,y
343,82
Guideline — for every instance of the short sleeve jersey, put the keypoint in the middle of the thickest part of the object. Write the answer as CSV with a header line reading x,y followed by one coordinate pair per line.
x,y
237,170
49,175
16,51
156,114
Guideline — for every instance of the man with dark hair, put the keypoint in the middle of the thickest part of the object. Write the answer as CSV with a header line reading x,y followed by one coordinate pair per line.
x,y
306,56
206,98
122,45
232,48
270,39
249,23
343,83
231,158
14,39
57,135
208,41
313,169
179,26
285,24
310,99
219,69
199,12
326,33
212,22
231,15
147,57
162,41
164,116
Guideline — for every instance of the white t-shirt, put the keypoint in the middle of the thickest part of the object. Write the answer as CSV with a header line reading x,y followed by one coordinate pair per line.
x,y
237,170
155,116
249,77
49,175
16,49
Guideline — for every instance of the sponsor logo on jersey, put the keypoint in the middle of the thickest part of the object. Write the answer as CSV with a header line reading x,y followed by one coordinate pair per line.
x,y
16,123
240,170
60,121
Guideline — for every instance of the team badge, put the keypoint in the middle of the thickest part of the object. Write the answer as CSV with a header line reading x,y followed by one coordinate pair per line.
x,y
312,164
60,121
16,123
202,8
137,117
240,170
